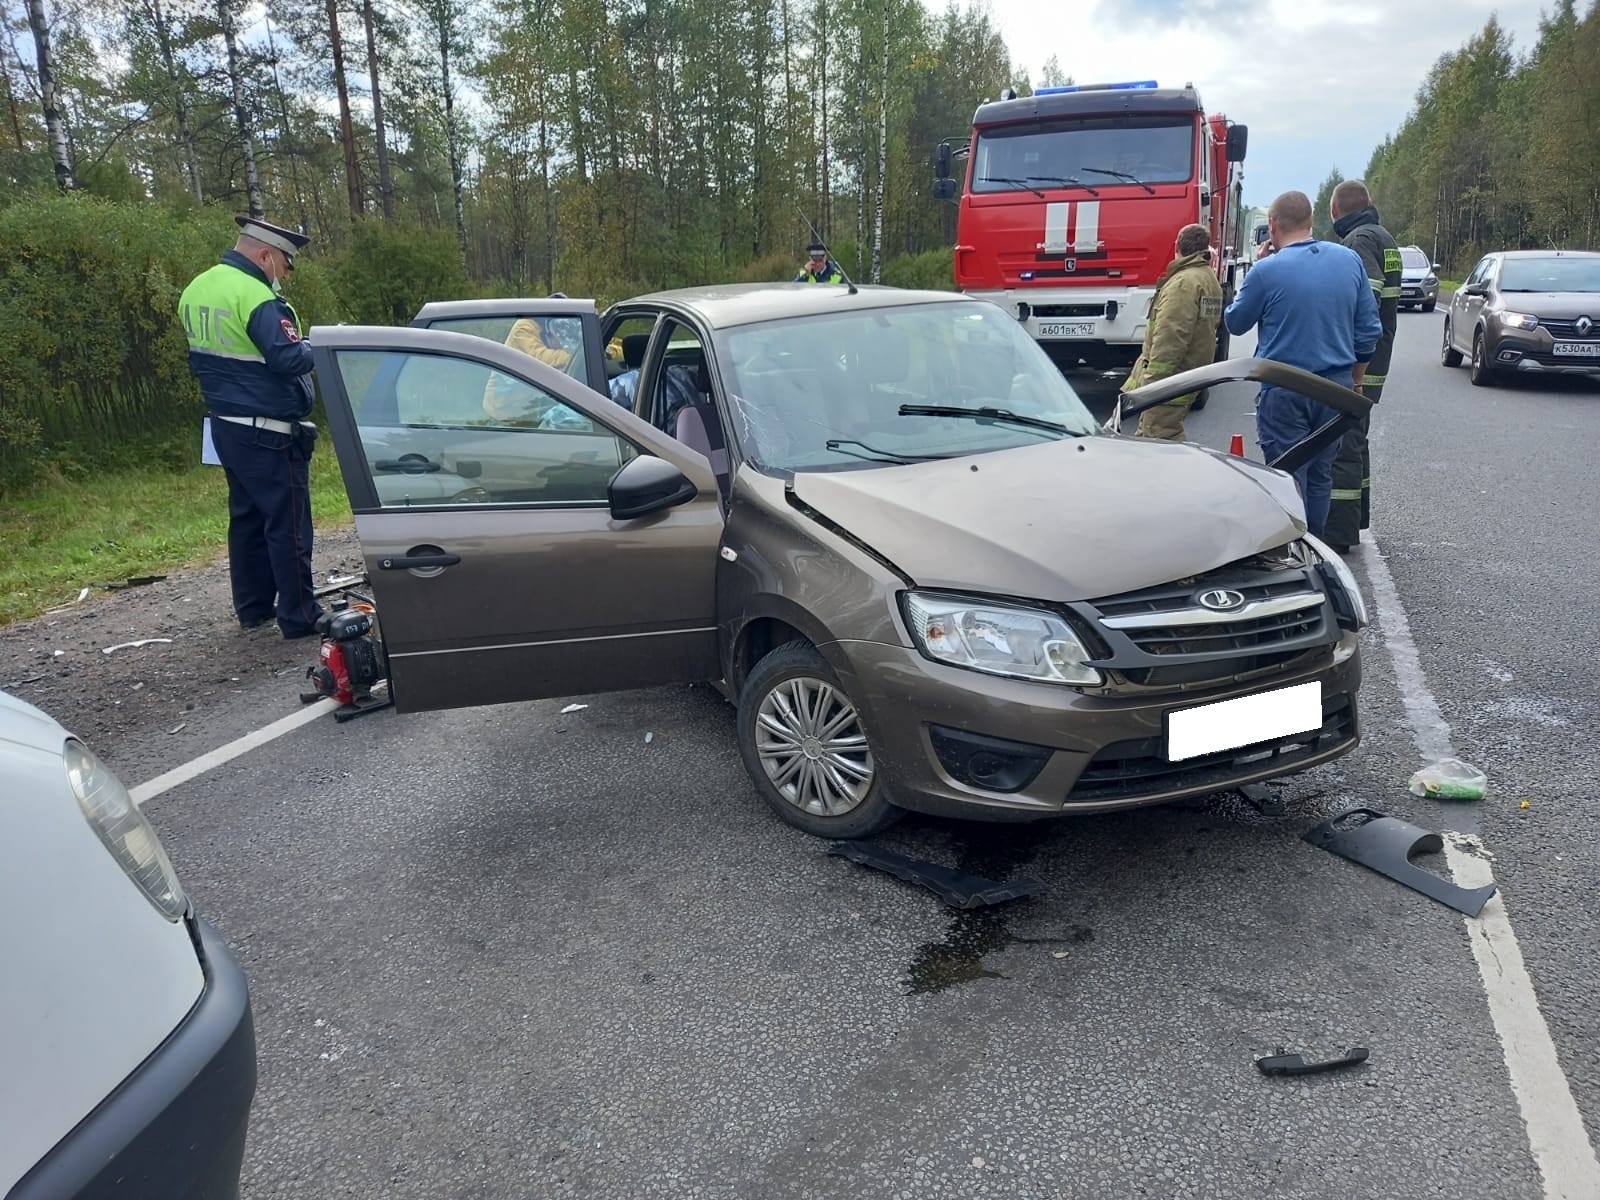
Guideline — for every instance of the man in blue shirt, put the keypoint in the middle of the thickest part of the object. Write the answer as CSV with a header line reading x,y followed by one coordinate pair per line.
x,y
1316,311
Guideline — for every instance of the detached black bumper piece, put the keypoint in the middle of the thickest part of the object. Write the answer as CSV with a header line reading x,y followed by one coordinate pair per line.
x,y
956,888
1387,845
175,1128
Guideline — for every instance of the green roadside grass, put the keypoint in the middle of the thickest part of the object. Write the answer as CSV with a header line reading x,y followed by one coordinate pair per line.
x,y
64,534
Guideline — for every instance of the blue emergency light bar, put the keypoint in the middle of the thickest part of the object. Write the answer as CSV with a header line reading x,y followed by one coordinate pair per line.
x,y
1094,87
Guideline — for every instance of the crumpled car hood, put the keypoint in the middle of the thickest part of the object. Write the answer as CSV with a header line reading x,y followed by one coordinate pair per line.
x,y
1067,520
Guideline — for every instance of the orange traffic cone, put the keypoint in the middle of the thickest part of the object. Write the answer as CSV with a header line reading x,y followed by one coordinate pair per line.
x,y
1236,447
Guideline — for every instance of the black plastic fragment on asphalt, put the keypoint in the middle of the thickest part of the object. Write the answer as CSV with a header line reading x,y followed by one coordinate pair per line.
x,y
956,888
1387,845
1295,1064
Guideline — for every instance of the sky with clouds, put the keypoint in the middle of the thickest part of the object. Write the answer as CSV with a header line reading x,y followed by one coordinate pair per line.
x,y
1320,83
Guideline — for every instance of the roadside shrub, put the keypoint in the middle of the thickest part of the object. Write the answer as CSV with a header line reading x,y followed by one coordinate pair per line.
x,y
390,269
932,269
92,357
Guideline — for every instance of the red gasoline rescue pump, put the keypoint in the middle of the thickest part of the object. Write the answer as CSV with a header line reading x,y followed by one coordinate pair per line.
x,y
350,662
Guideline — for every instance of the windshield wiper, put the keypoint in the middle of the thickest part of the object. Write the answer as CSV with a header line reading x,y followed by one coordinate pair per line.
x,y
844,446
1022,183
1004,416
1121,175
1066,181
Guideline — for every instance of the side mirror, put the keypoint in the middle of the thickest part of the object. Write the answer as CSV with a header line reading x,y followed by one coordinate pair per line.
x,y
645,485
944,189
1437,268
1238,139
1475,289
941,161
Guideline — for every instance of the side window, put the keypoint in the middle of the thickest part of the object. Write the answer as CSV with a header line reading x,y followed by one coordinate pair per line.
x,y
1480,272
555,341
625,350
679,377
453,431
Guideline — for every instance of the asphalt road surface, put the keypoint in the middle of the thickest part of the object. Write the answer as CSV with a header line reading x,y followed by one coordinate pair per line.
x,y
512,952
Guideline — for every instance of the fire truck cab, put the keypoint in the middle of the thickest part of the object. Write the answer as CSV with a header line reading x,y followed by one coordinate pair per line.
x,y
1073,197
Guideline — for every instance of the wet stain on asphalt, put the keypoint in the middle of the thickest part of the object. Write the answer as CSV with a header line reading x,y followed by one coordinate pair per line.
x,y
957,958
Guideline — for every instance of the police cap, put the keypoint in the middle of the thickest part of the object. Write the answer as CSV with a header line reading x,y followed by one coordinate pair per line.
x,y
817,250
276,236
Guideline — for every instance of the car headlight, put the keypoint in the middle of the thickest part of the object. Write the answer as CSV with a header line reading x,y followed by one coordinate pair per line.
x,y
1000,639
123,830
1430,280
1351,608
1520,320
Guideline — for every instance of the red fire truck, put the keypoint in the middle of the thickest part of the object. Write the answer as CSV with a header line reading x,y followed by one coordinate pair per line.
x,y
1073,198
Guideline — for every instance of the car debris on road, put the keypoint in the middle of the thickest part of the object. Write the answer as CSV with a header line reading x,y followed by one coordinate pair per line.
x,y
957,888
1386,845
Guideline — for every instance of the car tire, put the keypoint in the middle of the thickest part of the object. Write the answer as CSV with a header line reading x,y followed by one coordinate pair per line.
x,y
1430,306
788,699
1481,373
1448,354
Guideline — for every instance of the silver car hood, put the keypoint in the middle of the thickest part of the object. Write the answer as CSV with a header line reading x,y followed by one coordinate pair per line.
x,y
1067,520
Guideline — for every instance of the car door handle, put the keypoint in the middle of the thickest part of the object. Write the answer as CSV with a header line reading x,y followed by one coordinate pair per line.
x,y
407,562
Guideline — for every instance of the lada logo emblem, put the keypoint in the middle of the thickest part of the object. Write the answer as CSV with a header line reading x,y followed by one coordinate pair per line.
x,y
1584,325
1221,599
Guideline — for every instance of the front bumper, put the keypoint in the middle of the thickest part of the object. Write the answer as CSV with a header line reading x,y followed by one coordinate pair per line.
x,y
1100,753
1092,316
1418,293
176,1126
1533,352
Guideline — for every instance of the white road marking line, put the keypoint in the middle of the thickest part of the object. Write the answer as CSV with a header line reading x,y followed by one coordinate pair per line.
x,y
1556,1133
215,758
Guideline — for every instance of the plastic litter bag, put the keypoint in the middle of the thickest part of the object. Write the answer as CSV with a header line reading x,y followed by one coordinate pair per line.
x,y
1450,779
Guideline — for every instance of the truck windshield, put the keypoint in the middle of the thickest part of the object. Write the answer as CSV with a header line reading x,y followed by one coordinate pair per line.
x,y
1111,150
828,393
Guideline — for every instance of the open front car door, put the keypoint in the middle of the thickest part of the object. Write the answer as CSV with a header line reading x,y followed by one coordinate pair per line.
x,y
524,536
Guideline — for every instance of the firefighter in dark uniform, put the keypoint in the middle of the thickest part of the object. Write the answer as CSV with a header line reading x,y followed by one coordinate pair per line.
x,y
1357,225
255,374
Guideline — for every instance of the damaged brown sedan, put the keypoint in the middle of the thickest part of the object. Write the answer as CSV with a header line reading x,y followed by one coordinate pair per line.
x,y
880,520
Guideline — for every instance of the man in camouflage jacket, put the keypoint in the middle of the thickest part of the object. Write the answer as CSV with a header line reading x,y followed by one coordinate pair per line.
x,y
1180,332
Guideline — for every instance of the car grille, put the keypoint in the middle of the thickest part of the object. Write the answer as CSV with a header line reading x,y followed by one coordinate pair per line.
x,y
1128,770
1068,310
1569,329
1163,638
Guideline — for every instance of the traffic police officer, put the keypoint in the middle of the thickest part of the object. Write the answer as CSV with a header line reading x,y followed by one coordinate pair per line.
x,y
1180,332
1357,224
819,268
255,374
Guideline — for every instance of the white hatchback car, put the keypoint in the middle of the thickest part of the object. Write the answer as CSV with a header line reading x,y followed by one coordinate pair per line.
x,y
127,1049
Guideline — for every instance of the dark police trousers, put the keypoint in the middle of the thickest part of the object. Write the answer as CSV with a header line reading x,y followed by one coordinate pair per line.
x,y
269,523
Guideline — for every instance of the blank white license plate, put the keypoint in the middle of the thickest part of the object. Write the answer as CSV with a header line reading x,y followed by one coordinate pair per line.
x,y
1067,329
1229,724
1577,349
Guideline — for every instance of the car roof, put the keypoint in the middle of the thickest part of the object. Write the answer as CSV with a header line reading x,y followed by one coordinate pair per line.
x,y
505,306
1520,254
723,306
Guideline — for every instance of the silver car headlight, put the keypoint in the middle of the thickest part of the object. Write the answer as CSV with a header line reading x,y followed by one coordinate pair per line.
x,y
123,830
1000,639
1520,320
1353,613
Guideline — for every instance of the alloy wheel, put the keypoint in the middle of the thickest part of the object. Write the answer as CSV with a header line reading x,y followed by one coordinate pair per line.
x,y
812,747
